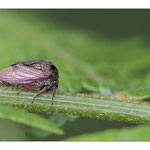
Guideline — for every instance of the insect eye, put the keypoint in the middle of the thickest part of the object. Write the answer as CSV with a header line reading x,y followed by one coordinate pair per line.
x,y
53,67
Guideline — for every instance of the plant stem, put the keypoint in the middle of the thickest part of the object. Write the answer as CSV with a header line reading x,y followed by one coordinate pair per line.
x,y
80,105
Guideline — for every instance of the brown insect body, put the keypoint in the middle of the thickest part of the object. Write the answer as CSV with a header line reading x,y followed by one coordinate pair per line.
x,y
31,75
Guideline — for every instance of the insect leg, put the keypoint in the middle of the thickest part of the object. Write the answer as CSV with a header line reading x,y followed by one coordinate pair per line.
x,y
53,94
30,88
39,93
28,63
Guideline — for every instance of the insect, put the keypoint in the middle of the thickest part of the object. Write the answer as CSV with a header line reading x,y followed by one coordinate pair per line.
x,y
31,75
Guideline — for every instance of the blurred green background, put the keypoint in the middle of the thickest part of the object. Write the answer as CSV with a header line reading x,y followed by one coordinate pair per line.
x,y
96,51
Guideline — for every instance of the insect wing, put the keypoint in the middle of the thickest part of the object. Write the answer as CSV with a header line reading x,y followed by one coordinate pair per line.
x,y
21,75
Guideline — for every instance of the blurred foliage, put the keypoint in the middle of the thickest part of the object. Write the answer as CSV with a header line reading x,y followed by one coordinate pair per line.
x,y
83,59
58,119
139,133
87,62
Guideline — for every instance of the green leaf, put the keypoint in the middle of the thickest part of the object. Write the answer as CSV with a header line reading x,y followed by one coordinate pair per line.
x,y
140,133
58,119
22,116
146,98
